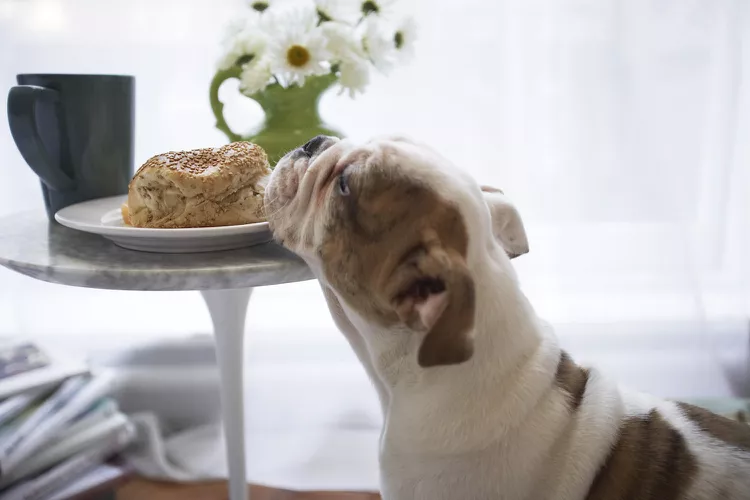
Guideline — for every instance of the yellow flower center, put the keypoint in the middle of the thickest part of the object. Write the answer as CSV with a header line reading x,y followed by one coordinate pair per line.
x,y
297,55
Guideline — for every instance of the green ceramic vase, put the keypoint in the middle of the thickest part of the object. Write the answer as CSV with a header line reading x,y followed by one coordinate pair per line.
x,y
291,114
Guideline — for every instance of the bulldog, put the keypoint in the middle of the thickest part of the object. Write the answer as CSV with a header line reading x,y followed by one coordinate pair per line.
x,y
478,399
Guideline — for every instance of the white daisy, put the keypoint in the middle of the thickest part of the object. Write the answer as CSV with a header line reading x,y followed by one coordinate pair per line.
x,y
379,45
299,50
354,76
344,11
343,42
240,23
244,47
296,16
404,37
255,76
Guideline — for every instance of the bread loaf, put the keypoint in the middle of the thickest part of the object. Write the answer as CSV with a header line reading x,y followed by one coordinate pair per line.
x,y
204,187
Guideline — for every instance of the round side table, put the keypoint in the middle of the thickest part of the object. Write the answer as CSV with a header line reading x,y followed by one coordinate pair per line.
x,y
31,245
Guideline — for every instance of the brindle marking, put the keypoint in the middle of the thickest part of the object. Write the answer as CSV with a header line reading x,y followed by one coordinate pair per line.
x,y
572,379
649,461
388,239
733,433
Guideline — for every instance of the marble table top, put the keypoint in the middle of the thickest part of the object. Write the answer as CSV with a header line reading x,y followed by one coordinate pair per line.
x,y
31,245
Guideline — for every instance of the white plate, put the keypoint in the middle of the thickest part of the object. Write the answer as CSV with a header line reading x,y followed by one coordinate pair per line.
x,y
102,216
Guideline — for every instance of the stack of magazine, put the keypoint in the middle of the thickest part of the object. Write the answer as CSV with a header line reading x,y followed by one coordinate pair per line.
x,y
57,422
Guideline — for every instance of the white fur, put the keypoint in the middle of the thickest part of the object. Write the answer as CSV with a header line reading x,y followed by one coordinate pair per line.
x,y
496,426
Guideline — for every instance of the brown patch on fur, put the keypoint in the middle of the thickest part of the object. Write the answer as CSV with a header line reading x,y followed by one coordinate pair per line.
x,y
490,189
387,234
446,343
733,433
572,379
649,461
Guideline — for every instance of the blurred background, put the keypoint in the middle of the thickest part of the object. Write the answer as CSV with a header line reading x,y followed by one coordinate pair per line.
x,y
619,128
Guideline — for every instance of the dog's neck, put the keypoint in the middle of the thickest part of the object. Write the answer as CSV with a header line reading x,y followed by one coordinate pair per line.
x,y
513,365
507,329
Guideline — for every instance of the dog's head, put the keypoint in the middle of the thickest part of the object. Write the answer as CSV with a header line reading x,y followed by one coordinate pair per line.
x,y
391,227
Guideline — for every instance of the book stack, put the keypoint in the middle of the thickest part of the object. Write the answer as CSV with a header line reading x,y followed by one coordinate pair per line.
x,y
57,422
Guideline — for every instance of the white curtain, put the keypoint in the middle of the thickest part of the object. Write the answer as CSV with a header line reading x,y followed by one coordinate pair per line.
x,y
619,127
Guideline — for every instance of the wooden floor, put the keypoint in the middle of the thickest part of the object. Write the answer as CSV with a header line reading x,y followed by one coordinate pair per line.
x,y
141,489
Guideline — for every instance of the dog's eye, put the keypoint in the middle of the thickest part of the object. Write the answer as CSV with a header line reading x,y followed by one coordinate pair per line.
x,y
344,183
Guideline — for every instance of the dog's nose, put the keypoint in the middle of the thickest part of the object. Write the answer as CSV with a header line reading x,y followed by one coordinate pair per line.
x,y
313,144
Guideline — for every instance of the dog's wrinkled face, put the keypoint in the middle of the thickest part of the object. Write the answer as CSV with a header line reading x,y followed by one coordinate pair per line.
x,y
388,225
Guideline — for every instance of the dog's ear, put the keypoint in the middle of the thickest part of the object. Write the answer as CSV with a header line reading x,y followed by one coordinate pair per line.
x,y
506,222
434,293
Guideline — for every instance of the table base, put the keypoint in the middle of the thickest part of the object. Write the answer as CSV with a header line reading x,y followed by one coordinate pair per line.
x,y
228,309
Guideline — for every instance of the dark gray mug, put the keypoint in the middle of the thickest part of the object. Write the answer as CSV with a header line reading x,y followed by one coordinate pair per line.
x,y
76,132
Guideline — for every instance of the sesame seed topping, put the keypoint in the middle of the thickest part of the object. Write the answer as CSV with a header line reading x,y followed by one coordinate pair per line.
x,y
207,160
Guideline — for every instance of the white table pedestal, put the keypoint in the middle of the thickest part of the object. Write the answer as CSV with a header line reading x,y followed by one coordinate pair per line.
x,y
228,309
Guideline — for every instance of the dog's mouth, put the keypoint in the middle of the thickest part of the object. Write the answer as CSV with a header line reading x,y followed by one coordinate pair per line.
x,y
295,181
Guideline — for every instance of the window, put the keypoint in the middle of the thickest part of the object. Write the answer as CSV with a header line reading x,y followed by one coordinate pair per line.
x,y
618,128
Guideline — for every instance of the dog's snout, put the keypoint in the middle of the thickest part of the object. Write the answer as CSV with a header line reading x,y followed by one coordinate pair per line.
x,y
314,144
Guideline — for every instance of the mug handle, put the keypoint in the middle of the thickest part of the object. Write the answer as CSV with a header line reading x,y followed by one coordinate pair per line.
x,y
22,103
217,106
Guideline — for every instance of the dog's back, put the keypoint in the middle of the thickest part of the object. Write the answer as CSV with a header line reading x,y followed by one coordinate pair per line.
x,y
675,451
658,450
